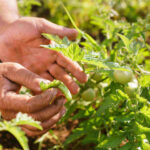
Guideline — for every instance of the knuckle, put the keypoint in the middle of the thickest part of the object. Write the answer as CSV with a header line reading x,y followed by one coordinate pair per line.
x,y
61,59
36,116
29,107
14,65
42,20
41,96
11,68
54,69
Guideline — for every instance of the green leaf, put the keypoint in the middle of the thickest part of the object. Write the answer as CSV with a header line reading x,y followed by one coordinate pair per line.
x,y
53,135
112,142
65,91
1,147
111,101
73,23
55,46
92,137
20,136
77,133
22,119
71,50
89,39
145,146
143,117
66,41
12,127
106,104
74,52
42,138
52,37
125,118
126,41
57,84
45,86
141,129
145,80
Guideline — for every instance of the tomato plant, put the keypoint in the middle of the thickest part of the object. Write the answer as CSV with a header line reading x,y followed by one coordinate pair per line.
x,y
88,94
132,88
116,53
57,84
122,76
97,76
117,106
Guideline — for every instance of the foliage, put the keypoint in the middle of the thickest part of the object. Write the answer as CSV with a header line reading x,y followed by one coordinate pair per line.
x,y
57,84
83,10
120,33
13,127
25,6
113,117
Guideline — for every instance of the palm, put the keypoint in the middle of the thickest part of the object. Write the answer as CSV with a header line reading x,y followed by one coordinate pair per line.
x,y
24,40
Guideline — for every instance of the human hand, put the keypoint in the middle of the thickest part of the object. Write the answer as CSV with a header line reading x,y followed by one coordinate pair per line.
x,y
12,76
21,43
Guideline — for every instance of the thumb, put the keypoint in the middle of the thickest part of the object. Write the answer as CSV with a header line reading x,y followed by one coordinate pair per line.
x,y
51,28
22,76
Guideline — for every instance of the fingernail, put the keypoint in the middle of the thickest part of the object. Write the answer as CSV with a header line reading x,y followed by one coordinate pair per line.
x,y
61,101
75,88
54,95
83,77
45,81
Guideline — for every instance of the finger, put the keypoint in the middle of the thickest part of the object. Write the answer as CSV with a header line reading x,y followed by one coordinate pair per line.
x,y
72,67
17,73
48,112
48,123
42,115
6,85
8,115
37,42
33,133
60,74
51,28
26,104
47,76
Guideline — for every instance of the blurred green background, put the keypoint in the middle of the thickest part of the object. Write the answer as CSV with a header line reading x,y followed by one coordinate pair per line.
x,y
82,11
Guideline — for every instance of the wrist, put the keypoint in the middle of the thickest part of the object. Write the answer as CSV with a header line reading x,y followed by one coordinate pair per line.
x,y
6,20
8,13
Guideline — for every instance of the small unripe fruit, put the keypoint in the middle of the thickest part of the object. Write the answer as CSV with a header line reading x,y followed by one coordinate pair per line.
x,y
122,77
131,88
88,94
97,77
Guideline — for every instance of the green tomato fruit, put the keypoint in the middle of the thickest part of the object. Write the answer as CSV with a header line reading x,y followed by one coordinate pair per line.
x,y
88,94
97,77
122,77
131,88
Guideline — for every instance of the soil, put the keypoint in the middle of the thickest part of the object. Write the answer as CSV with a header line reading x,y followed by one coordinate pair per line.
x,y
10,143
